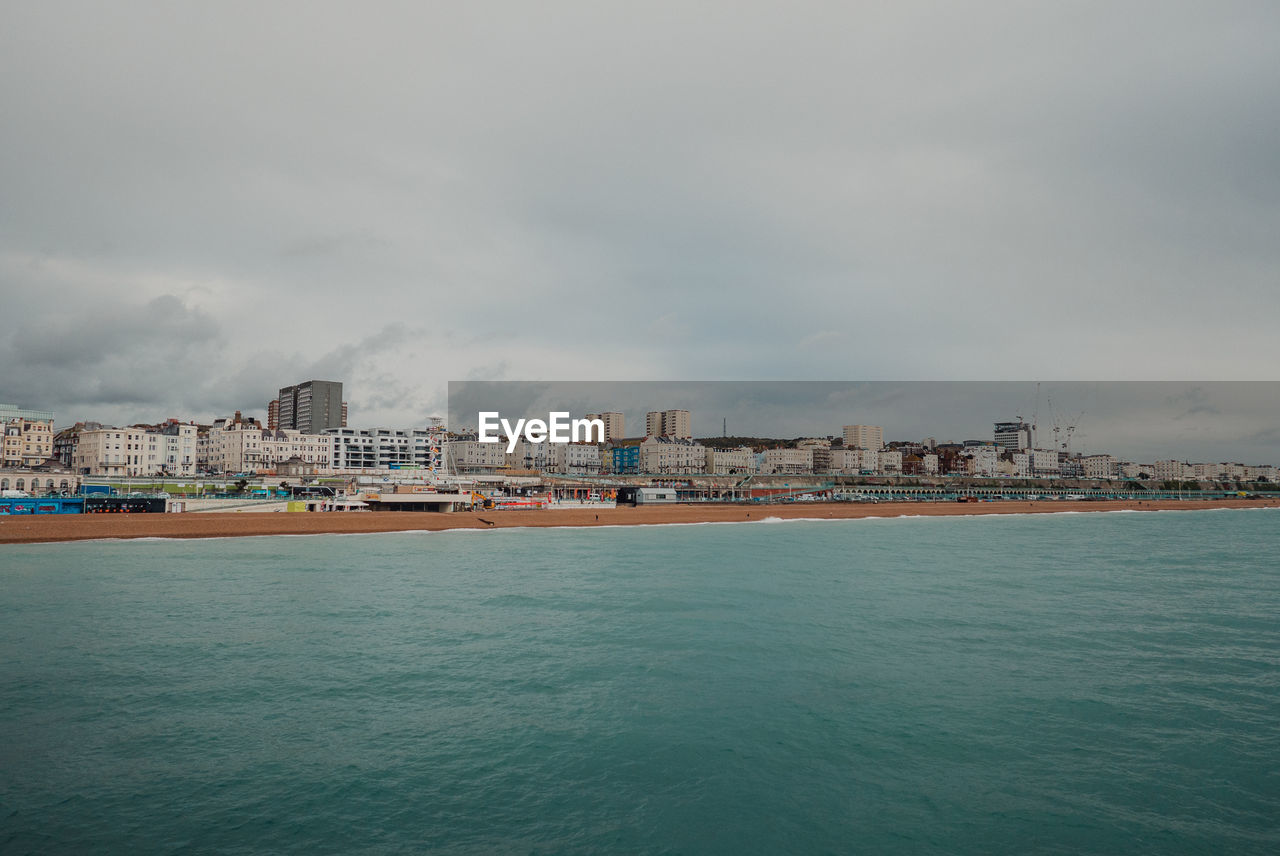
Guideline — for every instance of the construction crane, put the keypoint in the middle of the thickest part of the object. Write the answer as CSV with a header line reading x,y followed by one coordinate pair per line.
x,y
1034,413
1057,424
1070,429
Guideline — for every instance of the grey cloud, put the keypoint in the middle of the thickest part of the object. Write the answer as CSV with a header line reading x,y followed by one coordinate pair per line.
x,y
994,191
1265,437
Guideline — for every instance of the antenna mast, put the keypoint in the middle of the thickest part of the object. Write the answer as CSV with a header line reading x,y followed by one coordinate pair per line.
x,y
1034,414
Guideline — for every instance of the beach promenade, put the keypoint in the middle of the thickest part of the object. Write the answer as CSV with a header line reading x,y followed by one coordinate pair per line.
x,y
80,527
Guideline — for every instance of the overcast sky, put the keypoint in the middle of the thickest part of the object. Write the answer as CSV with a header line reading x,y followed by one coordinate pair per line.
x,y
202,202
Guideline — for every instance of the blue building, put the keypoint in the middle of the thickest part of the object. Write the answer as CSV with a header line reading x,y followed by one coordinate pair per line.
x,y
626,459
41,505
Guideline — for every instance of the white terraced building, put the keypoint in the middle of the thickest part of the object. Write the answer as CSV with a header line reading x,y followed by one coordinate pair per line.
x,y
472,456
672,455
788,461
239,446
1099,467
576,458
548,457
137,451
739,460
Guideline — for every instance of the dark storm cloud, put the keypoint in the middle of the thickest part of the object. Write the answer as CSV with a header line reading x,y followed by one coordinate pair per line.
x,y
110,353
996,190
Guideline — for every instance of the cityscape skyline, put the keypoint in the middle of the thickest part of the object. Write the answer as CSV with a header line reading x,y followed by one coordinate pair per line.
x,y
1136,421
1233,420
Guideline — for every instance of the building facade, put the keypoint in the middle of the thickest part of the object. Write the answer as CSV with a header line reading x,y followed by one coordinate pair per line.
x,y
889,462
113,452
386,448
243,446
1099,467
576,458
669,423
729,461
614,424
1173,471
672,455
1044,462
788,461
864,437
821,448
25,442
624,460
1015,436
472,456
311,407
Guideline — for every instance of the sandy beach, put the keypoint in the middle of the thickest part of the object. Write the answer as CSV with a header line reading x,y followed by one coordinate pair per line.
x,y
80,527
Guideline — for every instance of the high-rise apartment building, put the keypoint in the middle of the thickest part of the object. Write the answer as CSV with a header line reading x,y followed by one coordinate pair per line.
x,y
311,407
614,424
669,423
273,414
864,437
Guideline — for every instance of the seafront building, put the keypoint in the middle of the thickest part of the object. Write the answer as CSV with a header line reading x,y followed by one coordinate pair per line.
x,y
386,448
846,461
624,459
981,461
563,458
1044,463
821,449
25,442
243,446
67,439
787,461
1172,471
474,457
672,455
136,451
730,461
1100,467
1130,470
578,458
889,462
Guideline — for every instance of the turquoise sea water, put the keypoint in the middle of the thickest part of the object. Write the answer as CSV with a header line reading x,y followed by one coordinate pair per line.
x,y
1078,683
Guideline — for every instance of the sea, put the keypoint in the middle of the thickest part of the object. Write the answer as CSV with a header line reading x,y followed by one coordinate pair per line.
x,y
1064,683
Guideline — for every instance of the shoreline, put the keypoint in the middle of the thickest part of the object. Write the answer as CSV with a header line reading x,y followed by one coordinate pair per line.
x,y
24,529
